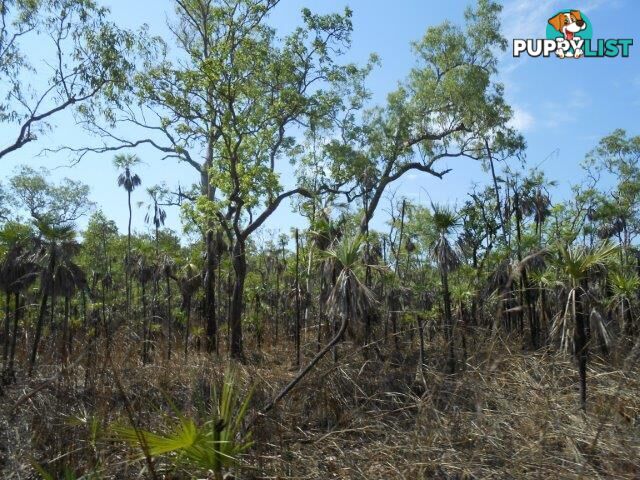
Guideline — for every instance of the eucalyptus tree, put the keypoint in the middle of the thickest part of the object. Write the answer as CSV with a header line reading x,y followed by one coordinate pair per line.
x,y
129,181
475,242
100,242
48,204
5,202
79,55
230,107
449,107
616,160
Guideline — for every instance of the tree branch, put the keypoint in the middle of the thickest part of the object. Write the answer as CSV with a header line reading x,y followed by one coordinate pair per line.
x,y
272,208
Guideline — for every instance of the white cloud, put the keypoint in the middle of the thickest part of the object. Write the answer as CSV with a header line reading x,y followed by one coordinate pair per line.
x,y
522,120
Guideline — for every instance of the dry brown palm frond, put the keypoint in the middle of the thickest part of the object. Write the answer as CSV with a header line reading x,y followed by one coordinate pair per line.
x,y
535,260
563,324
600,329
18,271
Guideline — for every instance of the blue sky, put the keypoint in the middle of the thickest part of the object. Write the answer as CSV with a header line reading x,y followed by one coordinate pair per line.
x,y
563,107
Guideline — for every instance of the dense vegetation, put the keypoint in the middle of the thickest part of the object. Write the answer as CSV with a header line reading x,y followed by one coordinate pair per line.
x,y
495,337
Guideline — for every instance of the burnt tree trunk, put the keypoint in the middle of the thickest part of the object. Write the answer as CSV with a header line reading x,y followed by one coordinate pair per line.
x,y
448,322
581,342
210,293
239,262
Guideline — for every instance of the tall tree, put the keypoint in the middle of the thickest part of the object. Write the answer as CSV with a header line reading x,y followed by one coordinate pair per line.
x,y
229,108
50,205
129,181
449,107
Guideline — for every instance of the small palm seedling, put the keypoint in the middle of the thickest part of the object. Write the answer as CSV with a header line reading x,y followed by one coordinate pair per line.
x,y
214,446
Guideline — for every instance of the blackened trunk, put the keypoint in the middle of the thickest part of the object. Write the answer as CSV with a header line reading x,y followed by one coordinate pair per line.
x,y
65,331
297,325
39,324
146,325
581,343
448,323
14,337
237,298
127,281
210,294
277,302
421,332
169,318
187,330
5,347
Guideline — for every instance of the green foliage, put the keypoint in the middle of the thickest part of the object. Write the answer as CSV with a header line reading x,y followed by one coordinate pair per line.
x,y
574,263
216,445
87,56
50,206
624,284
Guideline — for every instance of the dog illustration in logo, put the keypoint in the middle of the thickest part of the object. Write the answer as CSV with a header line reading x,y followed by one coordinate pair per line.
x,y
568,24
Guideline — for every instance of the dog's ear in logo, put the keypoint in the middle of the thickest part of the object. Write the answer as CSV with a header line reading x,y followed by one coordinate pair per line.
x,y
557,22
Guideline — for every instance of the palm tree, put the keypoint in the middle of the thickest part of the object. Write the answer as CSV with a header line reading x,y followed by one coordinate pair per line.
x,y
168,266
69,279
155,214
444,223
17,273
59,275
575,265
129,181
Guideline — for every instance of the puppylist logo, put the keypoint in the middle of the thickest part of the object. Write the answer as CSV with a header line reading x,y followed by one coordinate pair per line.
x,y
570,35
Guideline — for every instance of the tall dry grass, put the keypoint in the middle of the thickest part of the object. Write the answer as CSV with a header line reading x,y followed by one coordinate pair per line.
x,y
507,414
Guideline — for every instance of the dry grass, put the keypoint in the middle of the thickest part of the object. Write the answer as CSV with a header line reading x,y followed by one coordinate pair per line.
x,y
508,414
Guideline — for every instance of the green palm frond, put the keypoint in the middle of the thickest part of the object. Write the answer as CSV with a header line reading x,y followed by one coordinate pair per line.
x,y
346,253
576,262
444,218
624,284
216,445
